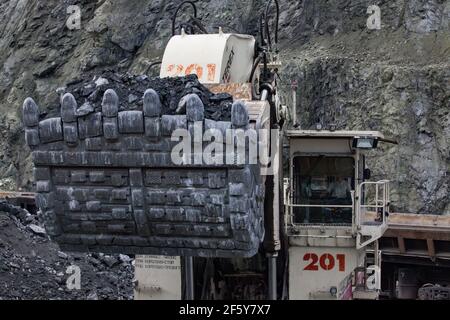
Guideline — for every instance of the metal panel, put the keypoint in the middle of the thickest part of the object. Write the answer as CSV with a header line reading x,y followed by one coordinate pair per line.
x,y
214,58
329,267
320,146
239,91
158,278
333,134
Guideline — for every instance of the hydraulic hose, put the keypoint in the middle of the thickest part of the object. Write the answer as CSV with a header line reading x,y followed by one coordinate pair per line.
x,y
174,18
151,65
266,24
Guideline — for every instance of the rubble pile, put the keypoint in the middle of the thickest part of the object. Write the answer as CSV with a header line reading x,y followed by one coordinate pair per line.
x,y
89,91
33,268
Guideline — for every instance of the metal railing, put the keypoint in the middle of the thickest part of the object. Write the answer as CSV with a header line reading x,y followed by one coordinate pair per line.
x,y
370,198
378,194
373,197
290,216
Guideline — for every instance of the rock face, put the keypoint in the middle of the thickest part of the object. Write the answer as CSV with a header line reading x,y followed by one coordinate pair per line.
x,y
395,79
107,181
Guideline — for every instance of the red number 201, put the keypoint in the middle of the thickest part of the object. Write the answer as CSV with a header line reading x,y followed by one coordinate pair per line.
x,y
326,261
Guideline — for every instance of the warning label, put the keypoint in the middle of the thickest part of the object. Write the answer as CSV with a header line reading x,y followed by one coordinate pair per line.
x,y
158,262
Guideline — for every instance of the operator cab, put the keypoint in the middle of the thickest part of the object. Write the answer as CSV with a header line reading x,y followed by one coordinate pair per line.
x,y
327,186
323,190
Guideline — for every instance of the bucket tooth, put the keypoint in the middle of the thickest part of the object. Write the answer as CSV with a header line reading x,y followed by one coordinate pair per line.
x,y
152,114
30,113
239,115
69,117
152,103
69,108
30,116
110,104
195,110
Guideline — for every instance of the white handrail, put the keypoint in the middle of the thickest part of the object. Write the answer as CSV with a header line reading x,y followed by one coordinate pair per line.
x,y
381,200
320,205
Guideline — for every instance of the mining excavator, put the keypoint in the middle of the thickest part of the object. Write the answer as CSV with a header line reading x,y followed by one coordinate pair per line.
x,y
302,221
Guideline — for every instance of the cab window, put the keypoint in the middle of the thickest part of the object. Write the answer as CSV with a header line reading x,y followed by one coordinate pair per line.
x,y
322,187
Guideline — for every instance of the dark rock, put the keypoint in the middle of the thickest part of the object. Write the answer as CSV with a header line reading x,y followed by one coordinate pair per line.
x,y
169,90
85,109
92,296
109,261
46,70
124,258
63,255
132,98
37,229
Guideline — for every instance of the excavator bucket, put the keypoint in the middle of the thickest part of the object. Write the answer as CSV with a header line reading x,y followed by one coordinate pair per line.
x,y
106,181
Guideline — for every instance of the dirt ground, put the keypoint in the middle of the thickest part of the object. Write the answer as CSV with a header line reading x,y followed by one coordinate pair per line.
x,y
33,268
